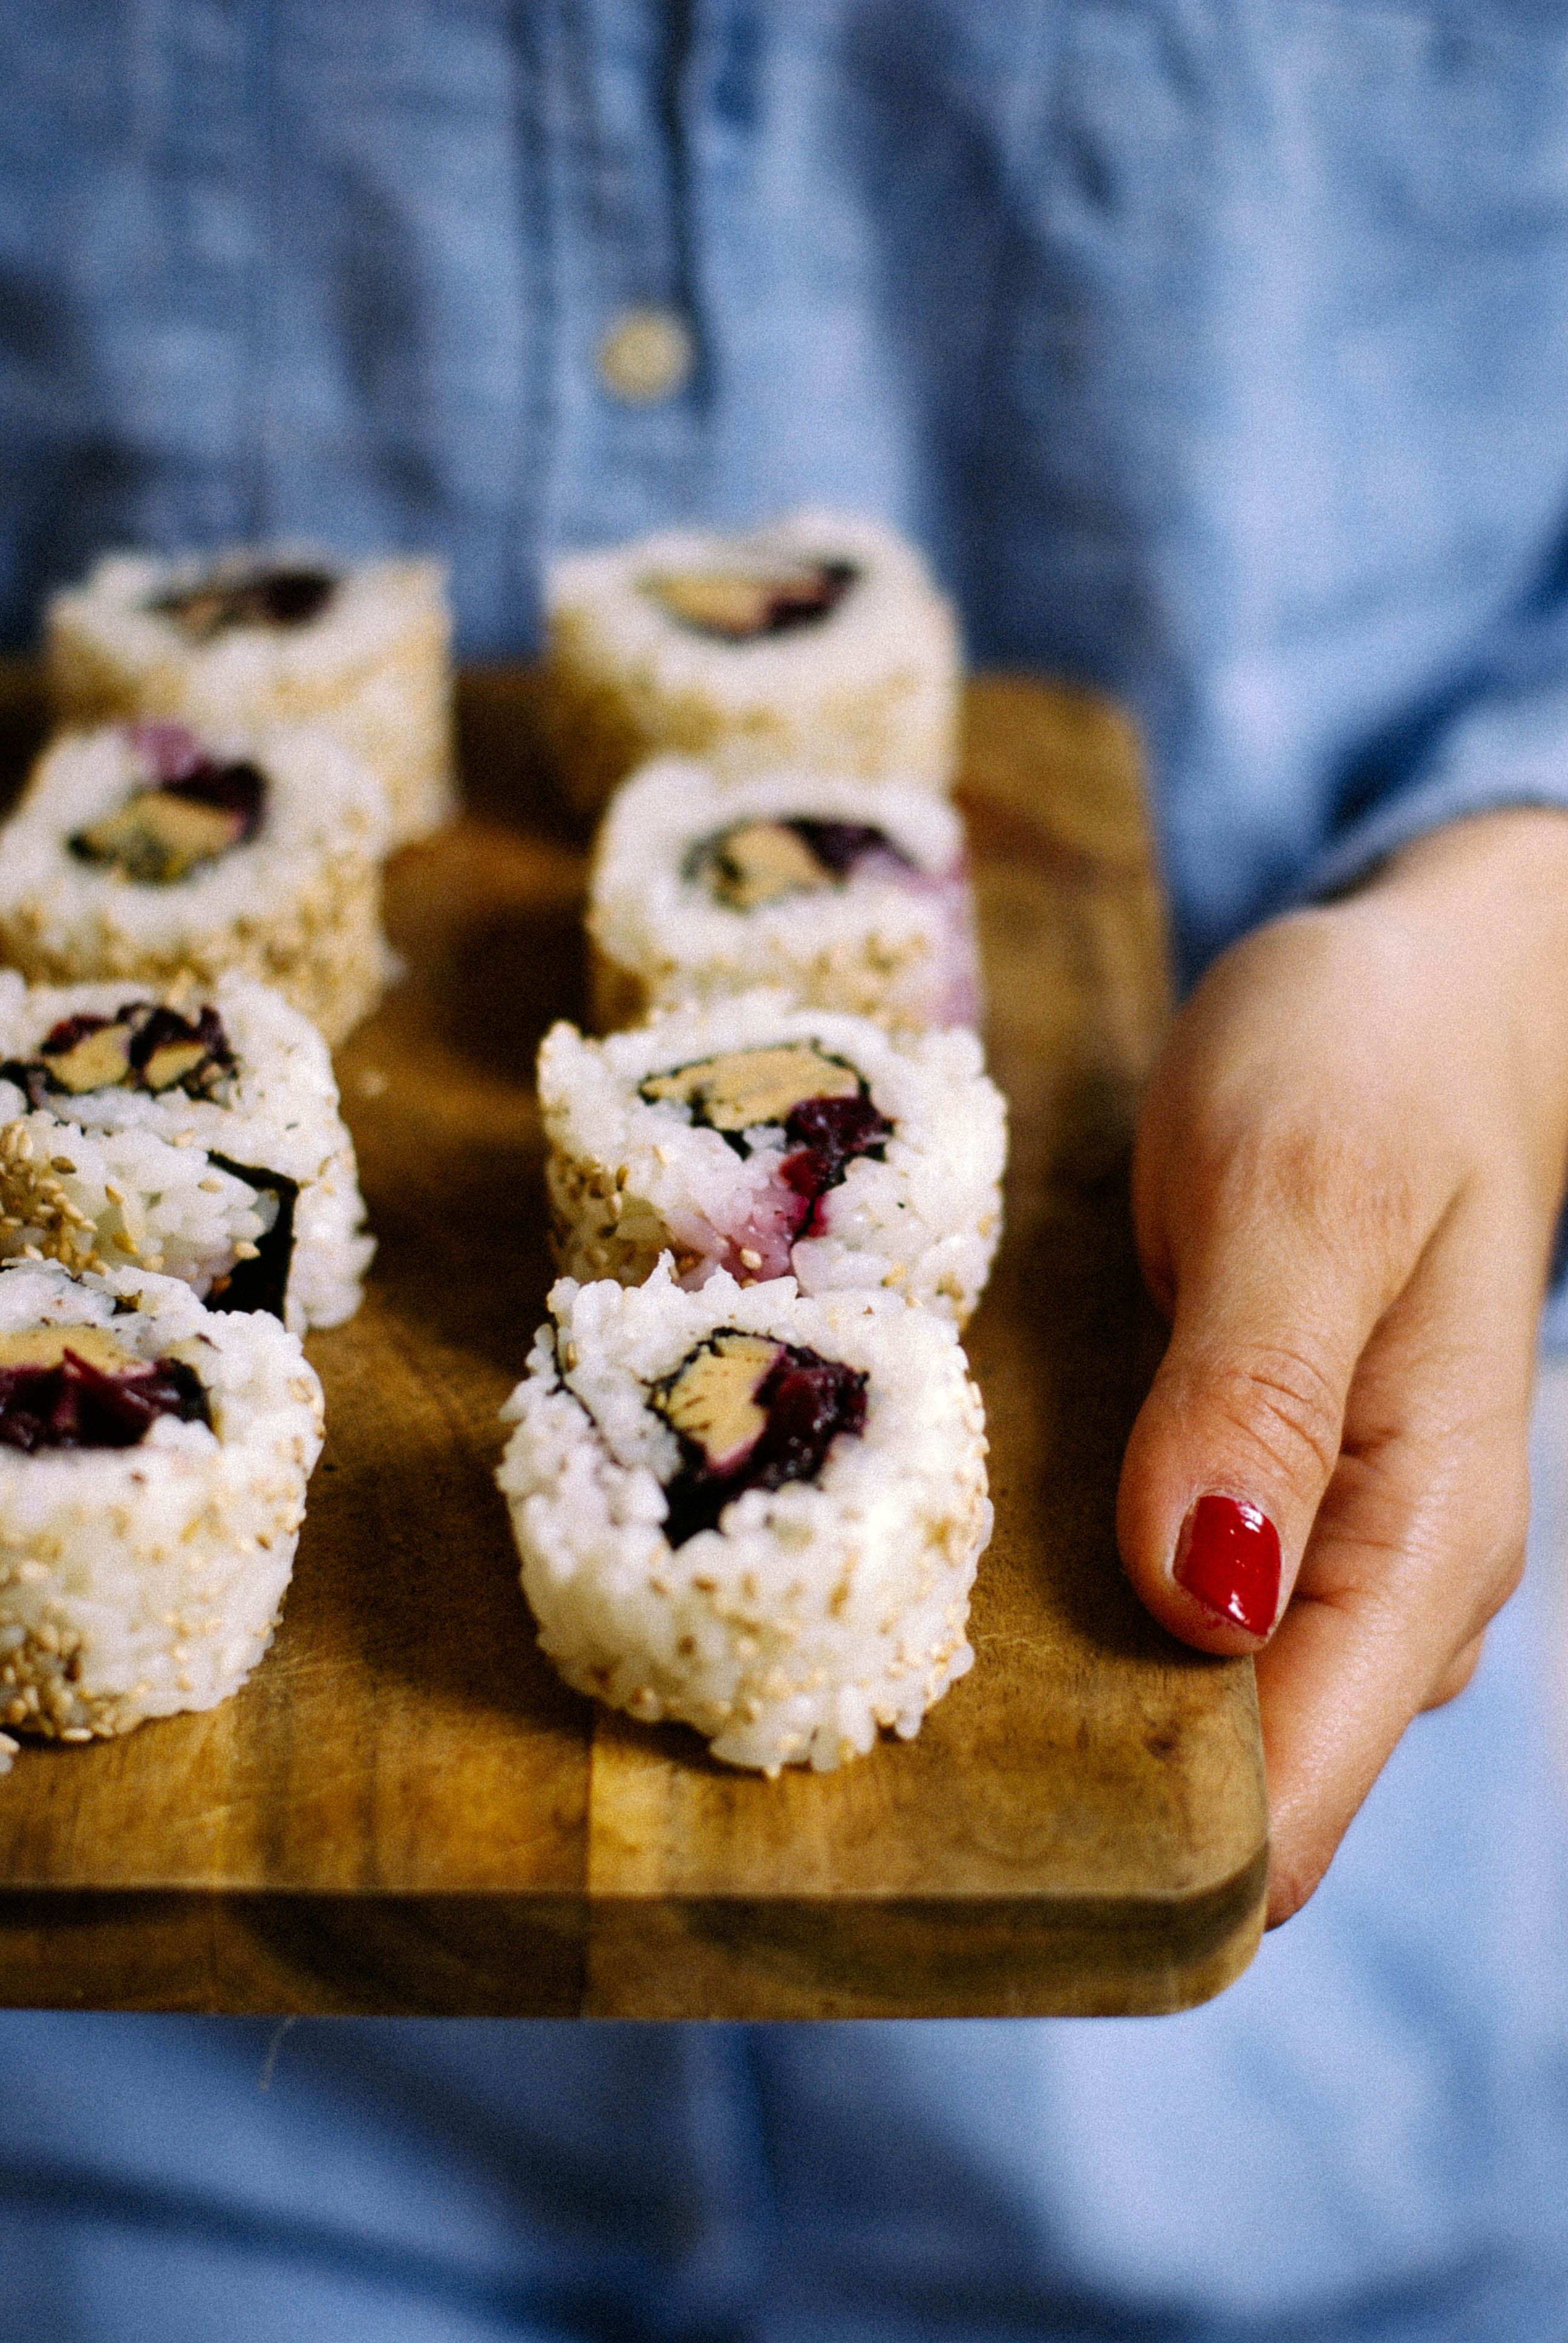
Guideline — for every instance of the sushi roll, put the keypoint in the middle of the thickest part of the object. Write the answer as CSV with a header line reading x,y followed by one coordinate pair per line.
x,y
152,1466
754,1513
195,1133
144,850
817,640
764,1140
233,642
850,894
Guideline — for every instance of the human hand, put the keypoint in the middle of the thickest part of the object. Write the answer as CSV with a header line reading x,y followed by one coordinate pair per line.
x,y
1348,1170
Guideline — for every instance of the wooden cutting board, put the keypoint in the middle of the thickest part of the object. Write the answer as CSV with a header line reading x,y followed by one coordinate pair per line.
x,y
404,1811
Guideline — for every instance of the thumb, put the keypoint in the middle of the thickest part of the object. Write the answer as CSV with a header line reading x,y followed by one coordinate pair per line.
x,y
1236,1442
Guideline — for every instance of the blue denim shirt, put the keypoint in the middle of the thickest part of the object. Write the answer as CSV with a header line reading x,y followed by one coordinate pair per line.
x,y
1216,350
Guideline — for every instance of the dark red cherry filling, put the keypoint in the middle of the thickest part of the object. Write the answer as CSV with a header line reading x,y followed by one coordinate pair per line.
x,y
755,863
263,597
143,1047
825,1136
238,791
745,604
192,810
164,1049
74,1404
806,1401
841,846
818,593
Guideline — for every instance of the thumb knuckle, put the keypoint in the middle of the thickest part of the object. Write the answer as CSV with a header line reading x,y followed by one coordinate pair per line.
x,y
1283,1407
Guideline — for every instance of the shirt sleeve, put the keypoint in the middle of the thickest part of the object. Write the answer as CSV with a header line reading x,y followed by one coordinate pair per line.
x,y
1500,739
1497,739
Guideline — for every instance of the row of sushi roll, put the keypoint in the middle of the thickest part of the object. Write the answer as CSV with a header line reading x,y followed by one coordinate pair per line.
x,y
747,1472
189,918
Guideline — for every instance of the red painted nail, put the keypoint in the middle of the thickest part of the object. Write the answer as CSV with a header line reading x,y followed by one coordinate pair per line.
x,y
1229,1557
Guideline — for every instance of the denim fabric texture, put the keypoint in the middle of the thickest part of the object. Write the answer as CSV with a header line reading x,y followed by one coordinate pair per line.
x,y
1215,351
1213,347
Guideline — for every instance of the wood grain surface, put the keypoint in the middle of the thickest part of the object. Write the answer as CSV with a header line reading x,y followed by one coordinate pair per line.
x,y
404,1811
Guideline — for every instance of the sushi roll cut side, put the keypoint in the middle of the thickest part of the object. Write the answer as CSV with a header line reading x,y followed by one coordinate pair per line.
x,y
153,1467
751,1512
248,637
818,639
146,851
196,1134
764,1140
851,895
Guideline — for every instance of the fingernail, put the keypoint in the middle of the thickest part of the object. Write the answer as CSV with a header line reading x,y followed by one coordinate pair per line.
x,y
1229,1557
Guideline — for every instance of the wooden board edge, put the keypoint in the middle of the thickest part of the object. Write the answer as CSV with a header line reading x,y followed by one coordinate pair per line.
x,y
283,1954
912,1956
555,1956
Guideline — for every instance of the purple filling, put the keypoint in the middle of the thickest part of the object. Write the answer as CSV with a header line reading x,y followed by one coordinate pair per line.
x,y
78,1405
239,789
172,751
826,1134
291,598
167,1028
153,1028
813,593
842,845
259,597
793,606
809,1401
180,766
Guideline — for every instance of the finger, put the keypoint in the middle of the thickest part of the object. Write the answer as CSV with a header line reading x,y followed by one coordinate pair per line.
x,y
1280,1278
1457,1674
1419,1539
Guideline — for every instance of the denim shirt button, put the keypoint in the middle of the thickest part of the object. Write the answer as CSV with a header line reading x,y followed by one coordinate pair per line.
x,y
644,356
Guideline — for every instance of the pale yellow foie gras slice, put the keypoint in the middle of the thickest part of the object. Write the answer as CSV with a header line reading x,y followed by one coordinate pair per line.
x,y
711,1398
736,603
99,1061
741,1089
46,1346
760,862
157,838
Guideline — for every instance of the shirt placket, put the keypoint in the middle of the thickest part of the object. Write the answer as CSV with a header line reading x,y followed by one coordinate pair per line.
x,y
629,395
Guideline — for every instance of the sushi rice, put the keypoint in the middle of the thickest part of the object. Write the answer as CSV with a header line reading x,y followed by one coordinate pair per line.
x,y
630,1179
135,1582
895,939
372,667
814,1614
135,1166
297,905
869,688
